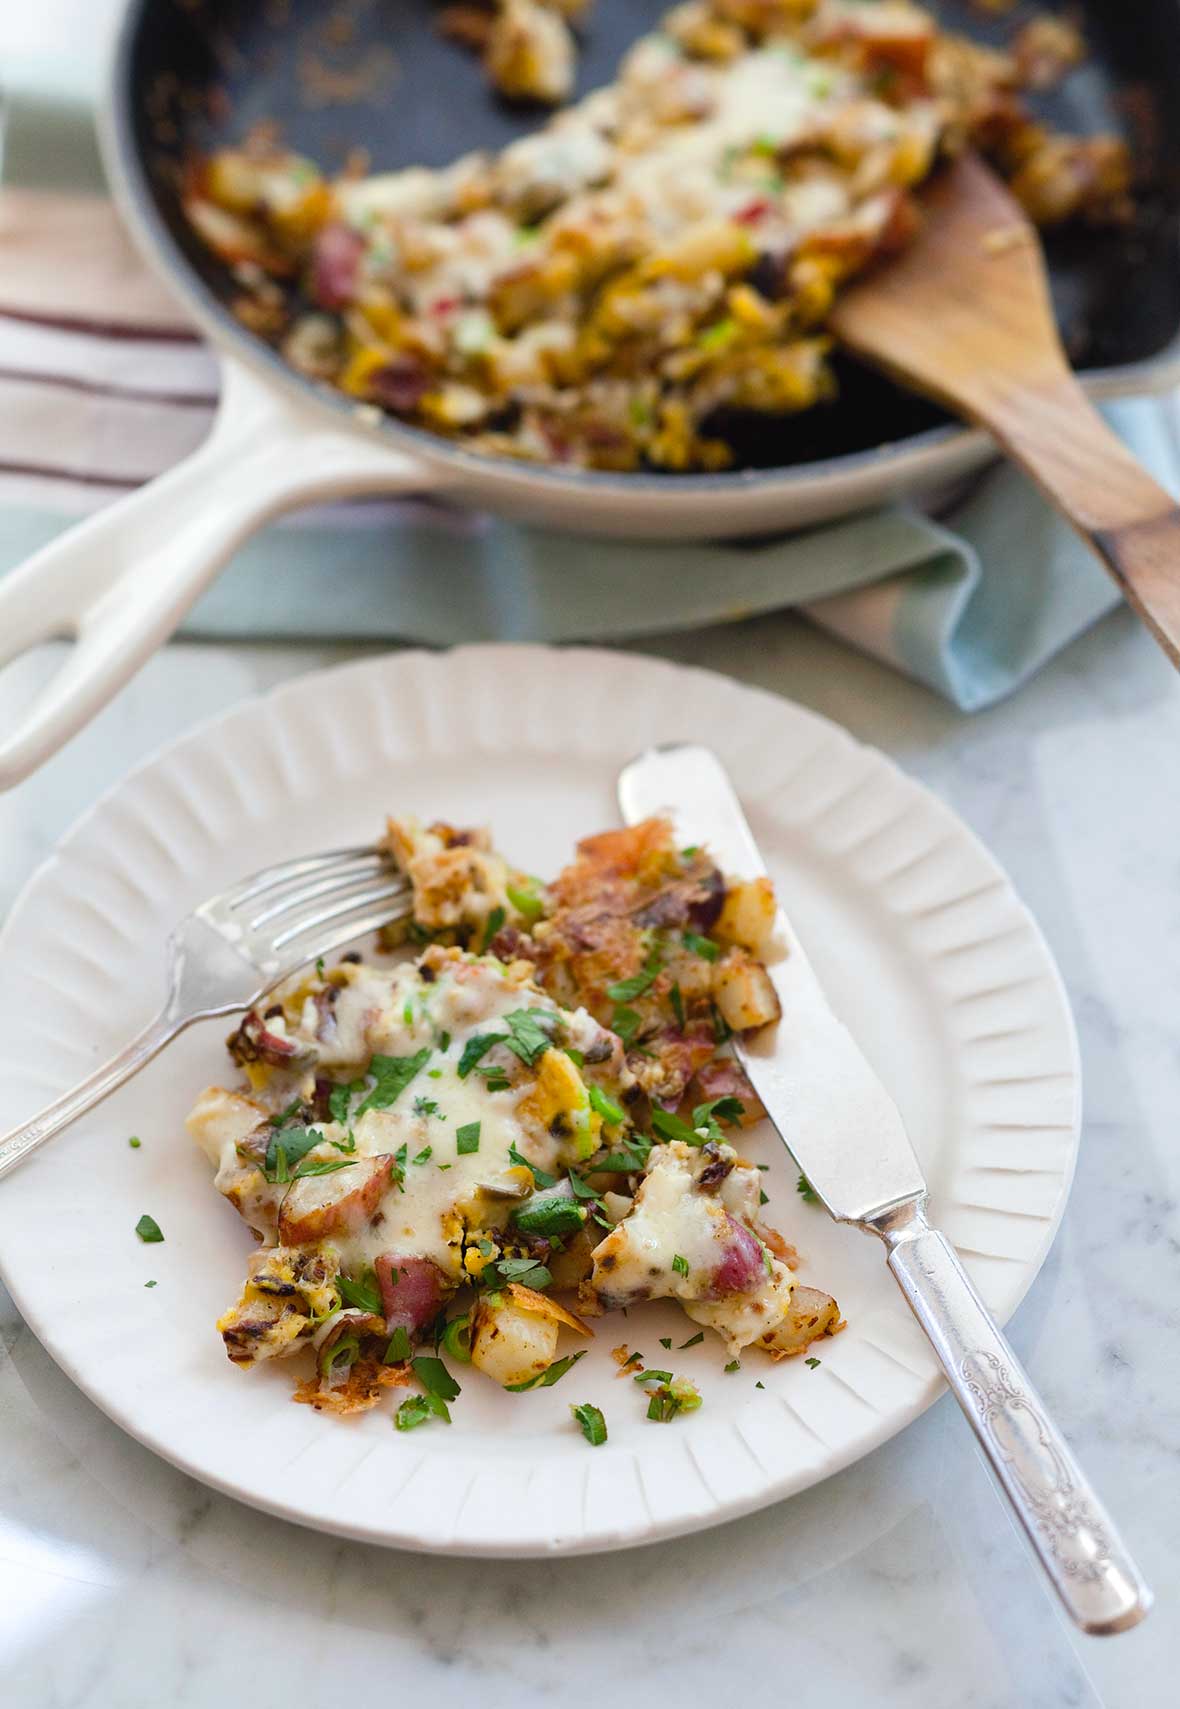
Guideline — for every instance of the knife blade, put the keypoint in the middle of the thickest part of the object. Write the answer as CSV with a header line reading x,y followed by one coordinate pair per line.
x,y
838,1121
847,1136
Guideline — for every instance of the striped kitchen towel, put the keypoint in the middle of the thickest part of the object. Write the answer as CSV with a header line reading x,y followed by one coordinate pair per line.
x,y
103,385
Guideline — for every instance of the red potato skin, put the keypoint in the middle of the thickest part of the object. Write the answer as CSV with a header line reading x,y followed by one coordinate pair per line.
x,y
343,1215
742,1265
412,1291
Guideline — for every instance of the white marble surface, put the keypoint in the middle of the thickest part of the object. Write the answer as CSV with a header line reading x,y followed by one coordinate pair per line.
x,y
900,1582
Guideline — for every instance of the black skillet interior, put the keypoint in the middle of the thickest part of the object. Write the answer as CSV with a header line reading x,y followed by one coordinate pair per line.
x,y
377,75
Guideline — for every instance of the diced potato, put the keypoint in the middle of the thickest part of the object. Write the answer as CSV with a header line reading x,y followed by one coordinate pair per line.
x,y
810,1316
744,992
219,1121
339,1203
509,1343
747,918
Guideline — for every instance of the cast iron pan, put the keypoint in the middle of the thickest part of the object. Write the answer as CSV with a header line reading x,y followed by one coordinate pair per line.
x,y
377,75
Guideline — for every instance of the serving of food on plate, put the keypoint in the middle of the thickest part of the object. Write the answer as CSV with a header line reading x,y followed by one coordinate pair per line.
x,y
666,250
530,1124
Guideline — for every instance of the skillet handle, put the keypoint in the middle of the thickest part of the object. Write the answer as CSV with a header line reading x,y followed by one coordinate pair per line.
x,y
118,584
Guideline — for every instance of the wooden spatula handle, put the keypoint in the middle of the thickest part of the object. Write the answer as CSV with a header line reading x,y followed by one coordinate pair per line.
x,y
1051,428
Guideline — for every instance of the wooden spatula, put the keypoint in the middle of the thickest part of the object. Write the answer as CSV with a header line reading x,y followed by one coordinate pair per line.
x,y
964,315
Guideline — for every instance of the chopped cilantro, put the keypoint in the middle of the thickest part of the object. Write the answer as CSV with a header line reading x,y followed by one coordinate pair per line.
x,y
392,1074
590,1421
704,947
467,1138
552,1374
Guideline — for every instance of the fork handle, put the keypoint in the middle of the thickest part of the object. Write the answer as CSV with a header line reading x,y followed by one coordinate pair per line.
x,y
22,1141
1066,1524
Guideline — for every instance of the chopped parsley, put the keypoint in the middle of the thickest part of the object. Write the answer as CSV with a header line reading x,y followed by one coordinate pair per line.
x,y
704,947
148,1230
693,1340
626,990
734,1365
496,919
319,965
365,1295
727,1109
763,1198
475,1050
627,1156
722,1031
467,1138
398,1351
605,1107
666,1341
348,1145
552,1374
576,1056
541,1176
676,999
339,1099
680,1265
494,1078
525,1272
427,1107
806,1191
530,1033
419,1409
434,1376
149,1284
652,1377
392,1074
670,1126
424,1155
814,1363
325,1166
288,1146
444,1041
134,1142
590,1421
625,1023
671,1397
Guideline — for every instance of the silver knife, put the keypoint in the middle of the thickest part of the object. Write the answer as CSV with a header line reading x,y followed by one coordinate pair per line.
x,y
847,1136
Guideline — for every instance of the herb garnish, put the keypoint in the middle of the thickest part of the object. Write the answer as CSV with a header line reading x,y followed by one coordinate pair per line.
x,y
666,1341
426,1107
339,1099
669,1398
813,1363
626,990
434,1376
392,1074
591,1423
467,1138
704,947
541,1176
418,1409
475,1050
530,1033
548,1215
626,1157
398,1351
625,1023
148,1230
653,1377
134,1142
495,920
693,1340
365,1295
552,1374
679,1264
734,1365
677,1001
424,1155
526,1272
806,1191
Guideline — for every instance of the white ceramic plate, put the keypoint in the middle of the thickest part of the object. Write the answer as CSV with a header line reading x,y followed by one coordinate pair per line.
x,y
925,950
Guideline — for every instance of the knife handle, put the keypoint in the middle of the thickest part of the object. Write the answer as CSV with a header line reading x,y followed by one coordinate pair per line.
x,y
1067,1526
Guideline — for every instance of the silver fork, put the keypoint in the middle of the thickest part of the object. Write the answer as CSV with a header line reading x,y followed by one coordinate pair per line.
x,y
229,953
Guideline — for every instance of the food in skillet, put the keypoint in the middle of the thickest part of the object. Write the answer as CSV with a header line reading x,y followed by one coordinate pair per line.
x,y
604,291
530,1122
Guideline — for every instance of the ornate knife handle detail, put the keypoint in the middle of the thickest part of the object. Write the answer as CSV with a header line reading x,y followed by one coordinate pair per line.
x,y
1061,1515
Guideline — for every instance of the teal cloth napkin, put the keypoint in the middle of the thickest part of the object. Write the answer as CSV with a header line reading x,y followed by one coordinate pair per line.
x,y
971,604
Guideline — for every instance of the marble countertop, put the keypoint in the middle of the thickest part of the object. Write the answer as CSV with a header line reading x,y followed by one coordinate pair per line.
x,y
900,1582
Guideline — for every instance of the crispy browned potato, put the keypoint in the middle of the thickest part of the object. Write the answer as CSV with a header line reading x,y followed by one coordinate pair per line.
x,y
319,1205
810,1317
